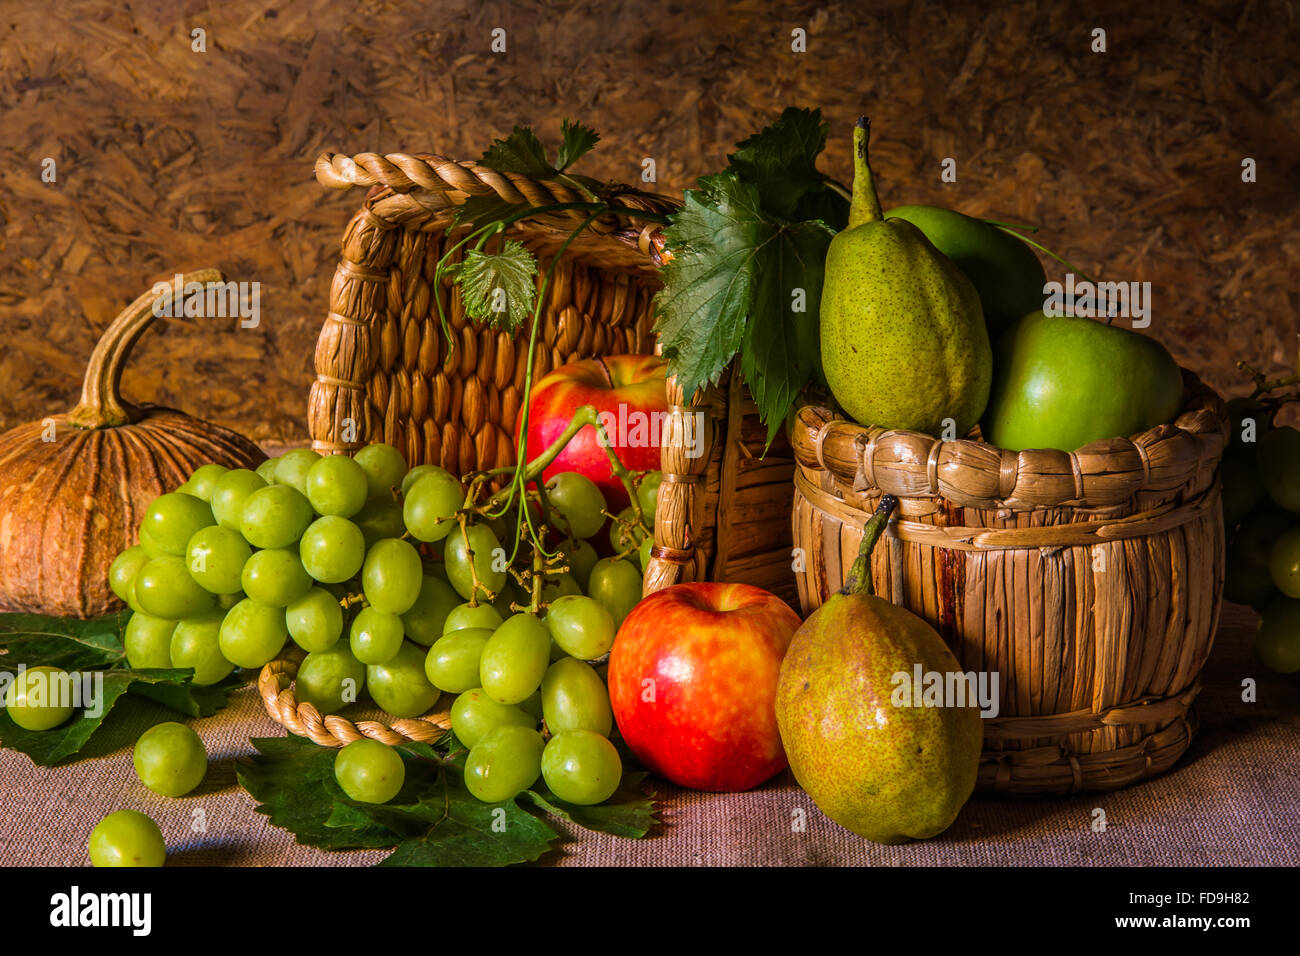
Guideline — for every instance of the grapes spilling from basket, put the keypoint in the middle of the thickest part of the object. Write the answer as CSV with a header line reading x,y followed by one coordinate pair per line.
x,y
403,584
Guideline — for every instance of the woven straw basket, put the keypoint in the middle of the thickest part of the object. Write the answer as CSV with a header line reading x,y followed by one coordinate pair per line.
x,y
1090,582
385,373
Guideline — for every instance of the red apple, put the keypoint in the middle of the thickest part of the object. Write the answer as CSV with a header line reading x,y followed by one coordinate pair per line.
x,y
630,389
692,682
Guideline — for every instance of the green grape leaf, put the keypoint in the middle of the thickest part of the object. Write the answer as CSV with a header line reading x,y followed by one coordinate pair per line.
x,y
105,688
434,821
498,288
578,139
70,643
780,161
92,651
628,813
483,210
737,275
520,152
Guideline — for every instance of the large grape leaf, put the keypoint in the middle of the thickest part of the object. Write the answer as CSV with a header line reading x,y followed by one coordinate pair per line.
x,y
91,648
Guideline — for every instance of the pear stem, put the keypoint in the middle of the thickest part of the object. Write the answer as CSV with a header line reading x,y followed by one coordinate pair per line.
x,y
859,577
865,206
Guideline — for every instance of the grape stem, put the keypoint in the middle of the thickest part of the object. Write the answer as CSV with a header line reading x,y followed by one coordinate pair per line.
x,y
475,584
1262,384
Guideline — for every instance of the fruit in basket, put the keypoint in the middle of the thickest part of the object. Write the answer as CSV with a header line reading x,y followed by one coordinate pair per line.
x,y
1063,381
903,342
692,683
1004,270
888,772
74,487
630,392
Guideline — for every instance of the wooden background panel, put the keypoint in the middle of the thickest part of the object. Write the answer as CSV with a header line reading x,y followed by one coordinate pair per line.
x,y
168,159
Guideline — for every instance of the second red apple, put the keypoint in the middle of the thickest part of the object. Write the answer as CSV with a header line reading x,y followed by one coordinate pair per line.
x,y
630,389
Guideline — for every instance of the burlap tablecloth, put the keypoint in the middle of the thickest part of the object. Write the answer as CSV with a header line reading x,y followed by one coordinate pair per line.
x,y
1234,799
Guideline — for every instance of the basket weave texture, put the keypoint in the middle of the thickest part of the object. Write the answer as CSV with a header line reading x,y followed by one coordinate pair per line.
x,y
1090,582
385,373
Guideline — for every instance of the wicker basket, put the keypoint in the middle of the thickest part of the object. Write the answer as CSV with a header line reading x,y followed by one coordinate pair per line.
x,y
1090,582
384,372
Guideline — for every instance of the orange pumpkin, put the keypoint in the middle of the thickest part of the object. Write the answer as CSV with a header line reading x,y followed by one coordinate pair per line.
x,y
74,487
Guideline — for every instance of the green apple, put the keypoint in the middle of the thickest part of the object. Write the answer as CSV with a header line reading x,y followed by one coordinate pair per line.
x,y
1062,382
1005,272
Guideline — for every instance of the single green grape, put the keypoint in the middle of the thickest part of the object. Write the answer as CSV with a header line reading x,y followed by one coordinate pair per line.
x,y
452,664
1284,562
578,501
315,620
216,557
293,466
647,494
559,586
400,686
170,759
625,533
616,583
127,838
376,636
581,767
384,466
418,472
581,626
164,588
124,568
425,620
369,772
196,643
331,679
275,577
203,482
267,470
503,763
581,558
474,714
274,516
151,547
233,489
41,697
429,510
337,485
489,560
392,575
515,659
470,615
252,634
332,549
643,553
575,698
1277,641
172,519
379,518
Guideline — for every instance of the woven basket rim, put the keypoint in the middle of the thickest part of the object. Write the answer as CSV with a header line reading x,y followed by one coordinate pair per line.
x,y
421,190
1180,456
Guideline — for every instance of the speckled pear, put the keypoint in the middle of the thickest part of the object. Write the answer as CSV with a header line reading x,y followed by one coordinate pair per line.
x,y
888,772
903,339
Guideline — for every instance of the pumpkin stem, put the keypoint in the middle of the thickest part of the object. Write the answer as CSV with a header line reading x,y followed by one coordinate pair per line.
x,y
102,405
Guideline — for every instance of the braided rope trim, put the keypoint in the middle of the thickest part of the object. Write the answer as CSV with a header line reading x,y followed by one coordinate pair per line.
x,y
274,684
1076,534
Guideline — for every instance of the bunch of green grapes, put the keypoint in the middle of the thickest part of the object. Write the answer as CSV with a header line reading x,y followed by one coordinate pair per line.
x,y
397,586
1260,476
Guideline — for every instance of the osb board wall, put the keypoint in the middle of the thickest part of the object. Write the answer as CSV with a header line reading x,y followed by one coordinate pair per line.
x,y
169,159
